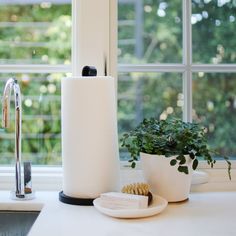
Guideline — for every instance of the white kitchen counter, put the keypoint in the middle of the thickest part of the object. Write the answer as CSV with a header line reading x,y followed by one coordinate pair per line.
x,y
206,213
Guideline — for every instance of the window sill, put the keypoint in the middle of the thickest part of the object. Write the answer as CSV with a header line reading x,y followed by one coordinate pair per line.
x,y
50,178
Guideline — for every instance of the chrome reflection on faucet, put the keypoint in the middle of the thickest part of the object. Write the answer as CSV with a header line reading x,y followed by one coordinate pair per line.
x,y
20,192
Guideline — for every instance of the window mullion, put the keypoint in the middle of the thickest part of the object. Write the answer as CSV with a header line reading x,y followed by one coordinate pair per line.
x,y
214,68
187,60
165,67
16,68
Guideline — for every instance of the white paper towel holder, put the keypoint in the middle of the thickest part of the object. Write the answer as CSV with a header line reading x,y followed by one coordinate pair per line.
x,y
77,196
87,71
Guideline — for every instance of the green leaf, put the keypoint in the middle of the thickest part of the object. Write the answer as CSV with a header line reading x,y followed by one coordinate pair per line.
x,y
229,168
183,169
173,162
192,156
133,164
179,158
195,164
183,161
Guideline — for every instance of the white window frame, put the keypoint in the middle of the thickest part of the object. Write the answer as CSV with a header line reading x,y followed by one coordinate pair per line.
x,y
49,178
187,68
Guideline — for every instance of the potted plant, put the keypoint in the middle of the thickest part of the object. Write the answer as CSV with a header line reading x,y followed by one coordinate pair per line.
x,y
169,151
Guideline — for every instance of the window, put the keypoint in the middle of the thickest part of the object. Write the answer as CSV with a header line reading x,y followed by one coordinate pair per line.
x,y
175,57
35,48
178,58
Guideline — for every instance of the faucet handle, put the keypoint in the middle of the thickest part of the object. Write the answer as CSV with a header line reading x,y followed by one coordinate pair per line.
x,y
5,112
6,102
28,193
27,177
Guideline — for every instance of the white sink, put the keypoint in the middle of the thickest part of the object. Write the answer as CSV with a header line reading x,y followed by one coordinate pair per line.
x,y
16,222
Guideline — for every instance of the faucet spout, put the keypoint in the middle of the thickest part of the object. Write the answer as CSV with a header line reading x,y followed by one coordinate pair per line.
x,y
12,84
20,192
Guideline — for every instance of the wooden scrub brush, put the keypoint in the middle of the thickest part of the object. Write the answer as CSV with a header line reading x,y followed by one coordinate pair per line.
x,y
138,189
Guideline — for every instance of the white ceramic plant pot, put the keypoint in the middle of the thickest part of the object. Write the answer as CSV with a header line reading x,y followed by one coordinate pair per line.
x,y
164,179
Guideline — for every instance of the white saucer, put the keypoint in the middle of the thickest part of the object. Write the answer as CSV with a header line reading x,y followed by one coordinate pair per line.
x,y
158,205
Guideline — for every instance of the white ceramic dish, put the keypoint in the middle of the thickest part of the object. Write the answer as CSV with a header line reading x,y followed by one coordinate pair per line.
x,y
158,205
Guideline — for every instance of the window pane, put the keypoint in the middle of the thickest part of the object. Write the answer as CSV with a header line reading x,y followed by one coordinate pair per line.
x,y
145,95
214,101
150,31
36,33
213,24
41,120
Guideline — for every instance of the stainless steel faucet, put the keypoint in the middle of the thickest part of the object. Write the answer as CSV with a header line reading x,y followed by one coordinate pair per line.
x,y
20,192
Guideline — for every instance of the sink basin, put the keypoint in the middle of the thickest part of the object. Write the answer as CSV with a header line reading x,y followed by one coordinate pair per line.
x,y
16,222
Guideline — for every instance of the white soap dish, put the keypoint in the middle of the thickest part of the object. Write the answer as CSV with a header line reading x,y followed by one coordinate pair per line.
x,y
158,205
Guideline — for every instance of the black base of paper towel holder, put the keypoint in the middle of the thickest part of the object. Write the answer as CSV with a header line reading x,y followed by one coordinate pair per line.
x,y
75,201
